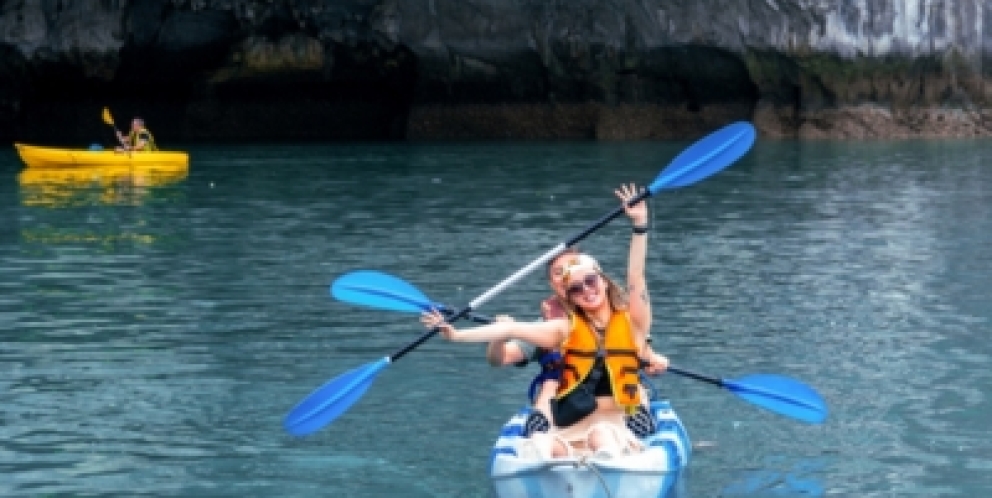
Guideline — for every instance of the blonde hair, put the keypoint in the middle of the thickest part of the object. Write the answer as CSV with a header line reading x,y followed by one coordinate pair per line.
x,y
615,294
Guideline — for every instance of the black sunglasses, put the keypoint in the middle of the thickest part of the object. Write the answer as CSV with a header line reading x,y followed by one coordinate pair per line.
x,y
589,281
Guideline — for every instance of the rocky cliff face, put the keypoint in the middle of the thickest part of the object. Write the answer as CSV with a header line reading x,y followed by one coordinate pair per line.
x,y
424,69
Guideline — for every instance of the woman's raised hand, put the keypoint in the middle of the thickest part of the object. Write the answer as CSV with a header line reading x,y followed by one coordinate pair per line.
x,y
638,213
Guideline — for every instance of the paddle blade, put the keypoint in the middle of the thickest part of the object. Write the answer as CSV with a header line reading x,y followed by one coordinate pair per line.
x,y
379,290
107,118
781,395
707,156
331,400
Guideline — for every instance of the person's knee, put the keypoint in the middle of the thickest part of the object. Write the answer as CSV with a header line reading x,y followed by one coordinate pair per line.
x,y
603,438
558,449
599,438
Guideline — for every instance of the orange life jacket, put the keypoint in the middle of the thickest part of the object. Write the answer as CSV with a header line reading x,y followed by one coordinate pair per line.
x,y
622,362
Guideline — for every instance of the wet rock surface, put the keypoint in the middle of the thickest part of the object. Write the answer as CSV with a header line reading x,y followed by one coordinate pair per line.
x,y
498,69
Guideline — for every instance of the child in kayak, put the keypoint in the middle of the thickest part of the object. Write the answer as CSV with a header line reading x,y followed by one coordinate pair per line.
x,y
602,342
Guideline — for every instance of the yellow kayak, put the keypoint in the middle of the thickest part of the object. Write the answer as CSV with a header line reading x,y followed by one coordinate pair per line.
x,y
49,157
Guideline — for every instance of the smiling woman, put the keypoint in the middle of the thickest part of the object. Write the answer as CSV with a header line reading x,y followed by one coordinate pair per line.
x,y
602,341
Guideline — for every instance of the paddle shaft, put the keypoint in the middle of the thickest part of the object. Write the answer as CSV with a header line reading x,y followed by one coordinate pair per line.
x,y
475,317
109,119
698,376
117,133
521,273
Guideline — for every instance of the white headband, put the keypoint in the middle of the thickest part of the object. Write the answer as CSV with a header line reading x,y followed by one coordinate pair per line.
x,y
578,263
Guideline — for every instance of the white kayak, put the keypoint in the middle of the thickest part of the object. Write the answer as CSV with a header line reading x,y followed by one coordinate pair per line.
x,y
650,474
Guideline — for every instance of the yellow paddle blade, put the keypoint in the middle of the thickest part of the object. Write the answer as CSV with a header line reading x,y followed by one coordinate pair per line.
x,y
107,118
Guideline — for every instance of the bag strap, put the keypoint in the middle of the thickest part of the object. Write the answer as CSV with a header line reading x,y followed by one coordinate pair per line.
x,y
593,378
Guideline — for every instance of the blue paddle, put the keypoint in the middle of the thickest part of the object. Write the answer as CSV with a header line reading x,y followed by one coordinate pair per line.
x,y
776,393
706,157
375,289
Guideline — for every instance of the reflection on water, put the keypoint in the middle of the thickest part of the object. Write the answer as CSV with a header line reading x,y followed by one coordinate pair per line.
x,y
68,202
780,477
107,185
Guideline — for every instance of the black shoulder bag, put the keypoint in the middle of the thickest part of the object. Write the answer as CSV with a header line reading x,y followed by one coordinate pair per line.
x,y
579,403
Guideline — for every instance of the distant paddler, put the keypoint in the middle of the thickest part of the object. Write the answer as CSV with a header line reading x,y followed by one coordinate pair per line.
x,y
138,140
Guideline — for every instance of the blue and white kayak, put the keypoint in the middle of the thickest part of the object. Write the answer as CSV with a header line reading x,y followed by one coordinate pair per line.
x,y
649,474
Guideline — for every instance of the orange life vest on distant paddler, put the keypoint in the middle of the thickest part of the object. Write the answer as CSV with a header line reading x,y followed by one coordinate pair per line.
x,y
579,353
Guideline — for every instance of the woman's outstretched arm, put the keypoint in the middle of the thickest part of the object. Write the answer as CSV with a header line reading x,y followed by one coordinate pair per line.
x,y
546,334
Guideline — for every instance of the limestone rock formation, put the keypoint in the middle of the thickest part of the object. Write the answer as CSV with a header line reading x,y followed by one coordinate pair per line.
x,y
427,69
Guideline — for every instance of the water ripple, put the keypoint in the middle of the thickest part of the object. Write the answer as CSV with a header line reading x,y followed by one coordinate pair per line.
x,y
153,342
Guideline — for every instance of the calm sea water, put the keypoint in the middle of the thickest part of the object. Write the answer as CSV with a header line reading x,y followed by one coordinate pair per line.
x,y
155,330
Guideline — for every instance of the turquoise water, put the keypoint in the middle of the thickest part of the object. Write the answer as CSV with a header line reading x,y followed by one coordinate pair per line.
x,y
156,330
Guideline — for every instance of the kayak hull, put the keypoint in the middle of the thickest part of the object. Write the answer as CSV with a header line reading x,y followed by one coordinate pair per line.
x,y
654,473
50,157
